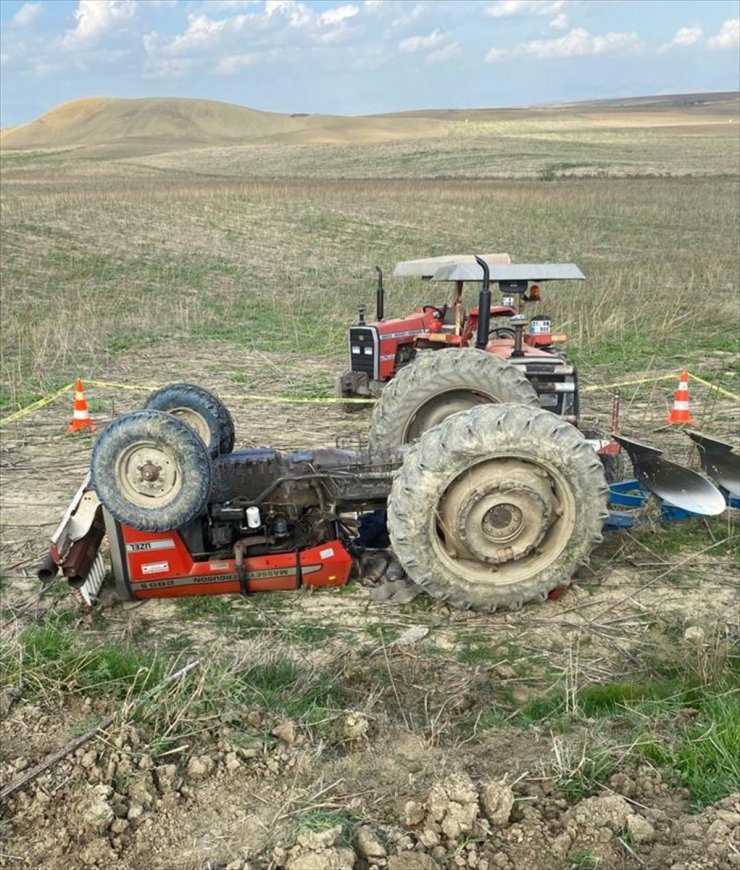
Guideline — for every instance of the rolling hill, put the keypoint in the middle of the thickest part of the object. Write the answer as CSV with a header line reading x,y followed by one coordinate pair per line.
x,y
126,127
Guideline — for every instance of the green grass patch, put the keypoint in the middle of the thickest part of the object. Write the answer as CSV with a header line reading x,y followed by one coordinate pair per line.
x,y
283,687
313,634
680,709
54,657
219,607
323,820
705,756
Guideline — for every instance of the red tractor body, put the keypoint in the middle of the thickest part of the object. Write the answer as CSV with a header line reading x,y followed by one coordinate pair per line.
x,y
160,565
380,349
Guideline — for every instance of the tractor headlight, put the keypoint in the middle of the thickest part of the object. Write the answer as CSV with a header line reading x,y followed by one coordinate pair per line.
x,y
356,350
368,351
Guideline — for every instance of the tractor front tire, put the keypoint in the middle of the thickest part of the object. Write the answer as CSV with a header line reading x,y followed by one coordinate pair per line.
x,y
496,507
151,471
201,410
443,382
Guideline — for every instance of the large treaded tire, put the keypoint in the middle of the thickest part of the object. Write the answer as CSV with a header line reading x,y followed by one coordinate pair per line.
x,y
201,410
443,382
507,450
151,471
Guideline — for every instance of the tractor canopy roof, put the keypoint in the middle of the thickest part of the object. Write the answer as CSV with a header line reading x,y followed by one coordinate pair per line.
x,y
428,267
471,271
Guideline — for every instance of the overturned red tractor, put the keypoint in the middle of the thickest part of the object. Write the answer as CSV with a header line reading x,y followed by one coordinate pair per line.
x,y
491,508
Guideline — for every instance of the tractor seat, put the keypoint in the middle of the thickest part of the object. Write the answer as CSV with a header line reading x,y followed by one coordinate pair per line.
x,y
450,316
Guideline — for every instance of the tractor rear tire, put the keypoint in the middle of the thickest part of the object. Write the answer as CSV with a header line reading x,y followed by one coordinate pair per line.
x,y
443,382
151,471
201,410
497,506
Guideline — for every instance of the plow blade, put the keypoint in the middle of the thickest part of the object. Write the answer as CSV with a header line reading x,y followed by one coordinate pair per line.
x,y
673,483
719,462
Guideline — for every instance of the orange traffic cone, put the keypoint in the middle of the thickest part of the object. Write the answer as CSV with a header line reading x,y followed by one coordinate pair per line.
x,y
680,411
81,416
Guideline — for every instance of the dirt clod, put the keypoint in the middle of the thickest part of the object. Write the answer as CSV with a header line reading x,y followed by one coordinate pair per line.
x,y
497,799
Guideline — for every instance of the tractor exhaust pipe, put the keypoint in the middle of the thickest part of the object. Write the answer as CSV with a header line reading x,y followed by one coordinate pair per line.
x,y
48,569
484,306
379,295
83,553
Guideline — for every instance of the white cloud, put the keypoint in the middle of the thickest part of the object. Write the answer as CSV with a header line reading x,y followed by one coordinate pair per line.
x,y
559,22
576,43
201,32
417,43
27,14
511,8
280,31
728,36
341,13
96,18
296,14
228,5
442,55
418,10
684,37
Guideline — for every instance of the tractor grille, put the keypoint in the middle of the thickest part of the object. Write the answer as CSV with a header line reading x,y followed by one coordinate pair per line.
x,y
556,384
363,350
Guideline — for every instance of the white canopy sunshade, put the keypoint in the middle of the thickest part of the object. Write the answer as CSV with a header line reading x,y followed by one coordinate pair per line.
x,y
471,271
428,266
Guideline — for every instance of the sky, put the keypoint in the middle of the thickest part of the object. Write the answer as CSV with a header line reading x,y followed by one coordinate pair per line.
x,y
357,57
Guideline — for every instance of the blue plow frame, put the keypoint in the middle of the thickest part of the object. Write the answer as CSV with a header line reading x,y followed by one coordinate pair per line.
x,y
633,495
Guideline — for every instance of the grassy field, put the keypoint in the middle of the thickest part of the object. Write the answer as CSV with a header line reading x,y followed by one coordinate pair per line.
x,y
103,258
241,268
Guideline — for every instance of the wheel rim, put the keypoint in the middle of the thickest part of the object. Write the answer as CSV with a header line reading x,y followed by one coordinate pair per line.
x,y
434,410
196,422
146,474
501,520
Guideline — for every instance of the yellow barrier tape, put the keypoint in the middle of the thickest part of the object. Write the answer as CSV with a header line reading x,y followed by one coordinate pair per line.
x,y
250,397
295,400
34,406
715,387
650,380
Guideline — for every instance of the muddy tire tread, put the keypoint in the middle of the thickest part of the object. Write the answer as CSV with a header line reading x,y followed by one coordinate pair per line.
x,y
445,450
435,372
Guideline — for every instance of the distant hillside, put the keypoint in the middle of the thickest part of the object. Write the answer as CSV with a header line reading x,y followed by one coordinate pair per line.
x,y
703,108
110,127
160,124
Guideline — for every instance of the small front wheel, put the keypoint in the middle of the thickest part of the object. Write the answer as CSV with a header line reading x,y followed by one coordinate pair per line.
x,y
151,471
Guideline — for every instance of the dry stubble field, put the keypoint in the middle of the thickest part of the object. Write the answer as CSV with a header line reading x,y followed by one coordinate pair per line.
x,y
597,731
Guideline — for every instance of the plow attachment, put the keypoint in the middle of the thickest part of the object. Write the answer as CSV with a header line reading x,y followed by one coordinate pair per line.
x,y
681,492
719,462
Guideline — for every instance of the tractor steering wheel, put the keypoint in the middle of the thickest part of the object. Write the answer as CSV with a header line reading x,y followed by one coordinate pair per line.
x,y
440,312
